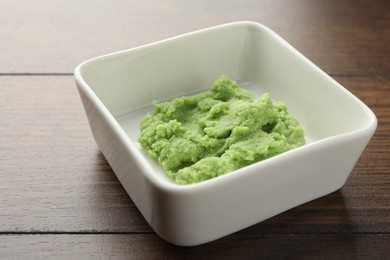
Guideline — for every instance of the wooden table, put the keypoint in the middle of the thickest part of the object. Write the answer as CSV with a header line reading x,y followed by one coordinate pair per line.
x,y
59,197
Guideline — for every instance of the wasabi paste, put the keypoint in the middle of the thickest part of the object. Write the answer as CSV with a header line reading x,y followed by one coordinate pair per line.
x,y
199,137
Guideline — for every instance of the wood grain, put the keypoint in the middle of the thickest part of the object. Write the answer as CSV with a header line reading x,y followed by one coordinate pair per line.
x,y
342,37
59,197
53,176
241,246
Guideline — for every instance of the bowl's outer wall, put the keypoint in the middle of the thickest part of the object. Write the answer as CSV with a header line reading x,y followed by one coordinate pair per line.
x,y
196,214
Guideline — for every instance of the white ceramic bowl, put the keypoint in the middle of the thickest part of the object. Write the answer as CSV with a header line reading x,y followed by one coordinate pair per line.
x,y
117,90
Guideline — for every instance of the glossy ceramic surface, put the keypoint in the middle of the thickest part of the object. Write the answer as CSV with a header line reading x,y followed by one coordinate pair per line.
x,y
117,90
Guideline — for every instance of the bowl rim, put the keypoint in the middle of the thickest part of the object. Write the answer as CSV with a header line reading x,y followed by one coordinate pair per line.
x,y
171,186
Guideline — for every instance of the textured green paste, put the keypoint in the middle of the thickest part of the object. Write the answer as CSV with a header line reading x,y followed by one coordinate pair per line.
x,y
199,137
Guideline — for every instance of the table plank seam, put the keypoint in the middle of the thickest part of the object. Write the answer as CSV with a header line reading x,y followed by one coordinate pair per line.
x,y
345,75
153,233
75,233
37,74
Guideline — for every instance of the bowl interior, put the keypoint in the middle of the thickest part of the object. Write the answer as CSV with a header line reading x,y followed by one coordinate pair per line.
x,y
260,61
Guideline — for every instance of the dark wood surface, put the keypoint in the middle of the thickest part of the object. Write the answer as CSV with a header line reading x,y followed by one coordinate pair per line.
x,y
60,198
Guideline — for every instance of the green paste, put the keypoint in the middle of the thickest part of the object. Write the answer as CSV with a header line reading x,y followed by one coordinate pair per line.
x,y
200,137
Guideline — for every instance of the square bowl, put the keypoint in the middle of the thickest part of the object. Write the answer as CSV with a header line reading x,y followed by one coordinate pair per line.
x,y
117,90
